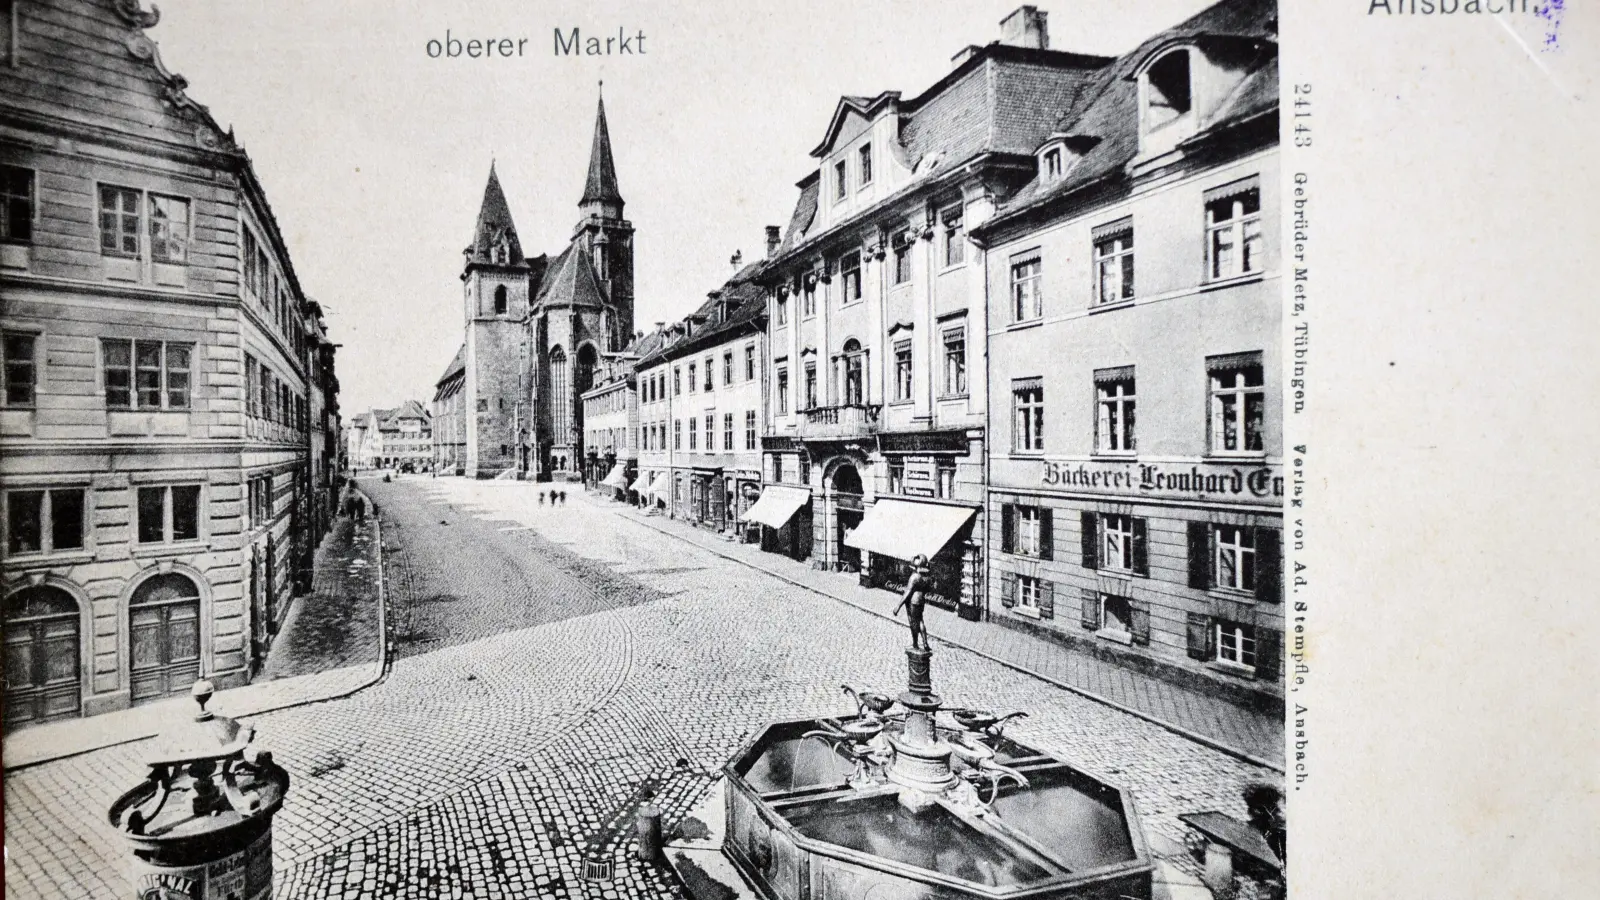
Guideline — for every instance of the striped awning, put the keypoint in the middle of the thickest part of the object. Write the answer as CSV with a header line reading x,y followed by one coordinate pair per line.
x,y
618,478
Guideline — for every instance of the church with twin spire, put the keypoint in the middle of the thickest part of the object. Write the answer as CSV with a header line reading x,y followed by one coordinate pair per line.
x,y
537,328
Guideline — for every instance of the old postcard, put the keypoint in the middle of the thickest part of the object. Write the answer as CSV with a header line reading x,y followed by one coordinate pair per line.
x,y
797,451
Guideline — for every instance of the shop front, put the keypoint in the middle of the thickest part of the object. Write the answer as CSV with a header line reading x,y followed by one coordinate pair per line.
x,y
784,516
616,481
893,532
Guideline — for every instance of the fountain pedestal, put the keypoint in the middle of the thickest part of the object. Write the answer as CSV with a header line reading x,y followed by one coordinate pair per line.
x,y
921,764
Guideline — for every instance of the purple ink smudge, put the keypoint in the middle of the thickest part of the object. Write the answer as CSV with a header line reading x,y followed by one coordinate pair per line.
x,y
1551,12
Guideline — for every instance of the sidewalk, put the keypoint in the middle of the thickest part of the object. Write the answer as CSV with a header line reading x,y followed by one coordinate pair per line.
x,y
351,666
1243,733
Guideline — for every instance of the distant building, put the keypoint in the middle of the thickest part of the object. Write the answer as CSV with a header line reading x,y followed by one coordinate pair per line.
x,y
168,388
449,422
1136,445
877,321
398,438
538,328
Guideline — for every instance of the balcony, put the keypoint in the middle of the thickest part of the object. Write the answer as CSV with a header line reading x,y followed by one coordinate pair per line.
x,y
853,420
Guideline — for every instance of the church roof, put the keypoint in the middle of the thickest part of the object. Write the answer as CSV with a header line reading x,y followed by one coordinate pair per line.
x,y
457,366
571,281
494,222
601,184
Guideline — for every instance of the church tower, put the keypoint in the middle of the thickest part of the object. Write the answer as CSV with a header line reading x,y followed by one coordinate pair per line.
x,y
495,282
607,237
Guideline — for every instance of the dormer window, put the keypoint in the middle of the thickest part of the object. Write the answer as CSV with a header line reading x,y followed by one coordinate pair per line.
x,y
1168,93
841,180
866,164
1052,164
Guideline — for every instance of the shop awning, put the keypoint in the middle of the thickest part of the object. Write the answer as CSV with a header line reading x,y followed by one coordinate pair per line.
x,y
618,478
661,487
777,505
902,530
638,485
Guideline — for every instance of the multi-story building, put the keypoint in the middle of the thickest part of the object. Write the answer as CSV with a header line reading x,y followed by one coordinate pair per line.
x,y
396,438
877,317
159,353
324,469
1136,489
611,421
652,486
449,426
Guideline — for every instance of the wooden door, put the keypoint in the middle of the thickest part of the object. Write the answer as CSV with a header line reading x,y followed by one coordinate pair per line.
x,y
164,633
41,656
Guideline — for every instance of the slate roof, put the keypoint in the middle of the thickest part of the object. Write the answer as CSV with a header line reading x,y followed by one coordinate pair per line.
x,y
450,382
494,217
389,419
1105,119
745,314
570,280
601,184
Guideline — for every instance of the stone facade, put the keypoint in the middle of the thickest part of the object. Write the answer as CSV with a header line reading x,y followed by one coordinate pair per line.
x,y
168,395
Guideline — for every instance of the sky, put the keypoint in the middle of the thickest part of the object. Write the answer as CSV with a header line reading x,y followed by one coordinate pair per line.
x,y
374,155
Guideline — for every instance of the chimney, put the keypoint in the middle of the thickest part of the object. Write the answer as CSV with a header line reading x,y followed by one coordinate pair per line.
x,y
737,259
964,54
1026,28
774,236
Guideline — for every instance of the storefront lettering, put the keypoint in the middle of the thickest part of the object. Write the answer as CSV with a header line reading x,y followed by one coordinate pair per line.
x,y
1258,483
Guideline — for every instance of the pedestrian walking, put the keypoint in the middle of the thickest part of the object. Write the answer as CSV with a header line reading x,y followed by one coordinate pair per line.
x,y
563,498
541,498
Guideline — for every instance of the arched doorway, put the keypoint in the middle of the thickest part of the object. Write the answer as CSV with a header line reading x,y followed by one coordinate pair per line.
x,y
844,495
164,634
41,663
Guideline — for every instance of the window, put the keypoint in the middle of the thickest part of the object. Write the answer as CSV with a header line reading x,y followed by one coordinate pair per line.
x,y
955,361
252,380
865,157
44,521
727,368
750,430
677,434
169,229
854,377
253,273
1238,404
677,381
902,259
20,370
1167,94
1236,644
149,374
945,479
1113,264
841,180
1114,410
902,370
1027,397
119,221
850,278
169,514
727,431
897,475
692,379
803,468
16,205
1233,233
1116,548
1235,562
1116,613
780,315
1026,300
750,362
783,389
811,385
1028,520
955,237
711,432
500,300
1028,592
1052,164
710,374
808,300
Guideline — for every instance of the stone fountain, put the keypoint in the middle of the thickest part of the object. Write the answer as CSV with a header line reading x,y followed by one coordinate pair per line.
x,y
905,798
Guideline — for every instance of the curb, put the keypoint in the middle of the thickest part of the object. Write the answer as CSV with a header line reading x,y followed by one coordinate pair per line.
x,y
381,671
1179,730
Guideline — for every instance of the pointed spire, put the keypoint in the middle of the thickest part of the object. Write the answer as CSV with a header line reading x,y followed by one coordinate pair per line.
x,y
601,186
494,239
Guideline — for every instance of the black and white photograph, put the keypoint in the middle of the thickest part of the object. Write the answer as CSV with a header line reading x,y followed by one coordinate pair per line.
x,y
808,451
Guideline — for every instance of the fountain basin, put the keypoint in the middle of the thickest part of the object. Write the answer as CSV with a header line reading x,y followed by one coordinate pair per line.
x,y
797,829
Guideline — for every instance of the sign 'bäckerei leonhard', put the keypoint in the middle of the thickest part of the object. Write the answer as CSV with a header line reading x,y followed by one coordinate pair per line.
x,y
1255,481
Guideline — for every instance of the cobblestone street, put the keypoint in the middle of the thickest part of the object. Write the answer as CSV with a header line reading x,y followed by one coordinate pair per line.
x,y
555,667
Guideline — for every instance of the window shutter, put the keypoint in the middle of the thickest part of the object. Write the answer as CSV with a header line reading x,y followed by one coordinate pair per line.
x,y
1047,600
1008,528
1200,555
1199,636
1047,544
1091,542
1269,647
1008,589
1141,550
1269,565
1141,621
1090,615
